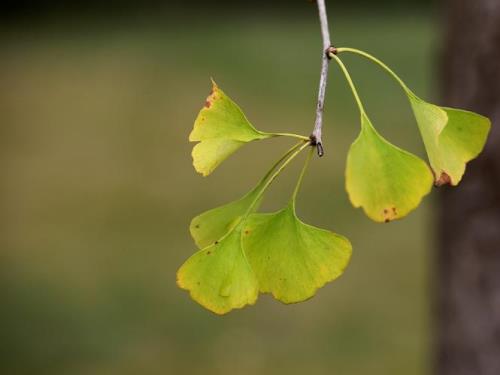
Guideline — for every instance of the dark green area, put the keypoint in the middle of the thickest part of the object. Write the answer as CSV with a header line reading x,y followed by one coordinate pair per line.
x,y
180,12
98,192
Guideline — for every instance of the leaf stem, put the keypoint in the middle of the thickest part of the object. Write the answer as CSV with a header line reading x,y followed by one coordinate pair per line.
x,y
276,173
292,135
351,84
279,161
378,62
325,33
301,177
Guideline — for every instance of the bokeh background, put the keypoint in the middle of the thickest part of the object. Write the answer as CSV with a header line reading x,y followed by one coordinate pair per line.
x,y
96,103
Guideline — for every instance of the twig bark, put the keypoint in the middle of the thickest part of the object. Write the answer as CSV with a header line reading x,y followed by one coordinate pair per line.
x,y
327,49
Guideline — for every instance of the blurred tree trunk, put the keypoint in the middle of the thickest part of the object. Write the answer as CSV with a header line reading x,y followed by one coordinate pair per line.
x,y
468,272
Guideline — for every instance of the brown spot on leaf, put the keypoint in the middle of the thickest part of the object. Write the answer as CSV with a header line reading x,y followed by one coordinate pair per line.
x,y
209,252
389,214
197,226
210,99
216,242
247,232
444,179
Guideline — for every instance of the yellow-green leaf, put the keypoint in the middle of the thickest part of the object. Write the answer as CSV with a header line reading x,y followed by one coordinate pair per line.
x,y
207,155
292,259
385,180
219,276
221,128
452,137
212,225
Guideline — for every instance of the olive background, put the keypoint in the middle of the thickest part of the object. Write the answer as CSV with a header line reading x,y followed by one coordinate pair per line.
x,y
98,188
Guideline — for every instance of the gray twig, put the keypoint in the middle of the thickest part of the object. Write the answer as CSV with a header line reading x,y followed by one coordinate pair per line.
x,y
327,49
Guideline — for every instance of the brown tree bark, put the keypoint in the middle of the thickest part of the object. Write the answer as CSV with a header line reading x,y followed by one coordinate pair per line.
x,y
468,272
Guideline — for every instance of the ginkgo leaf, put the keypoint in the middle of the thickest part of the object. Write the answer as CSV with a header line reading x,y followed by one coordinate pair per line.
x,y
385,180
221,128
292,260
219,276
452,137
212,225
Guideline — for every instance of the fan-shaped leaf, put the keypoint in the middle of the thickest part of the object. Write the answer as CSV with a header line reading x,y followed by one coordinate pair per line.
x,y
292,259
212,225
219,276
221,128
385,180
452,137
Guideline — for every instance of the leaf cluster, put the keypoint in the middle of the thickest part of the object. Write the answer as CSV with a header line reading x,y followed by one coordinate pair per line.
x,y
243,253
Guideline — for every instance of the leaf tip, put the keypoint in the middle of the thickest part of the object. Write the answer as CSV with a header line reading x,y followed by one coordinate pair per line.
x,y
443,179
214,84
203,172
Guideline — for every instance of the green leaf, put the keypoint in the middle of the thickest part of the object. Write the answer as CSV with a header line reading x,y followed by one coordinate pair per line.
x,y
215,223
385,180
219,276
292,259
221,128
452,137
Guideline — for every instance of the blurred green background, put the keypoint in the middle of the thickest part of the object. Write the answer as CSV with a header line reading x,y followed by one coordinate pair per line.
x,y
98,192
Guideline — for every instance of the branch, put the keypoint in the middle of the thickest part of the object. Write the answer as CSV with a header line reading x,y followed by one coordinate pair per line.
x,y
327,49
